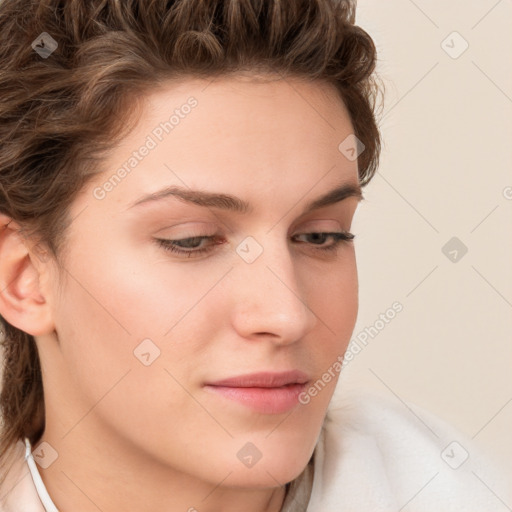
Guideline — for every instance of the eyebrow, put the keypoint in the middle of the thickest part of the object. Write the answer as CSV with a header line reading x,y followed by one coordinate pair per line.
x,y
237,205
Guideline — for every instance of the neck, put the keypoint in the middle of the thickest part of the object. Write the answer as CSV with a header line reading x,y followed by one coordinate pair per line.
x,y
103,473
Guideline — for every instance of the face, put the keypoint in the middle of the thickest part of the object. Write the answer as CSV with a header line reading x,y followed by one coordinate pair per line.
x,y
162,295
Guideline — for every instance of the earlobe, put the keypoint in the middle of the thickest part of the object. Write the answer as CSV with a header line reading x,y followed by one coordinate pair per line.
x,y
22,302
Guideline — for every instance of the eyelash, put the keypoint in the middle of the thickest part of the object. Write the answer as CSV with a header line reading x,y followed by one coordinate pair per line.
x,y
169,245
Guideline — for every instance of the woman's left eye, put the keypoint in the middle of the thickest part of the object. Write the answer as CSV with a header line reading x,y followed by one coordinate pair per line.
x,y
193,245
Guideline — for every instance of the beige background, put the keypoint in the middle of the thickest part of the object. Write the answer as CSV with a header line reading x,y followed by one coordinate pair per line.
x,y
446,162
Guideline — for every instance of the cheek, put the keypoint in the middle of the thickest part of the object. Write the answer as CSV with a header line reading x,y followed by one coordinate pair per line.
x,y
113,302
117,359
135,295
332,294
333,297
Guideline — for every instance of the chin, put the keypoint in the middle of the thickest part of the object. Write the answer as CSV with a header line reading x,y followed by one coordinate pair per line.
x,y
264,478
278,468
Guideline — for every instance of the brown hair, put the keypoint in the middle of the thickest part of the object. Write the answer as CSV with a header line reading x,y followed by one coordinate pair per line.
x,y
61,112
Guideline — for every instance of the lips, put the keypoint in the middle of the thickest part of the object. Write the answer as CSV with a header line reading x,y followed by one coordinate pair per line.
x,y
264,392
263,380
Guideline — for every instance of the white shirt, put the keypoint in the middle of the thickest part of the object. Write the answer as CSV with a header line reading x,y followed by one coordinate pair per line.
x,y
372,455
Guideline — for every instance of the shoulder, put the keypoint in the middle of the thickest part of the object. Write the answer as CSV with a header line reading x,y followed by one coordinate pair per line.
x,y
376,454
18,492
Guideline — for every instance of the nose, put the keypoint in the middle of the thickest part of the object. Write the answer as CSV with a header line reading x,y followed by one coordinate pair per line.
x,y
269,298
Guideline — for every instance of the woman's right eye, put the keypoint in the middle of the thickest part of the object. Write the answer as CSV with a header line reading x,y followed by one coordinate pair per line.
x,y
191,243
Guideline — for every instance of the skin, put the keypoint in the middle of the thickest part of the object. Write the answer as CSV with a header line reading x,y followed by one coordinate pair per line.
x,y
151,438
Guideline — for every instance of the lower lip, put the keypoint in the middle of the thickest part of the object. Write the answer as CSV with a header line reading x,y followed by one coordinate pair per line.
x,y
263,400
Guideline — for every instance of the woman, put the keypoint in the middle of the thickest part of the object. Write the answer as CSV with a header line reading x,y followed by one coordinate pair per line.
x,y
178,277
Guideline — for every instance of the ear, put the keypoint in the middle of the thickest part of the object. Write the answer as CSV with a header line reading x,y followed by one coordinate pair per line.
x,y
22,302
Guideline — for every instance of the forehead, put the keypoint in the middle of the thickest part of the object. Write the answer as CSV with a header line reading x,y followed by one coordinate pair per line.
x,y
240,133
242,109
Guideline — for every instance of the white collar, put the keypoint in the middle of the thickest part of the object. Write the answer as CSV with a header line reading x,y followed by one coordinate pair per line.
x,y
47,502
